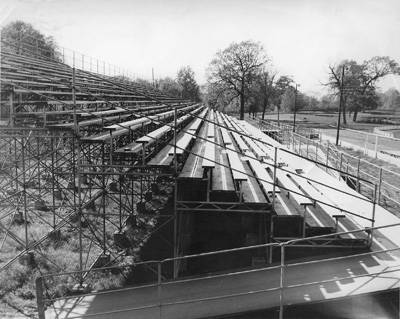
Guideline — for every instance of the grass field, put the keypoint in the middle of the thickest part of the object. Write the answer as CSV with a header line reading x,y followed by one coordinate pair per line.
x,y
327,120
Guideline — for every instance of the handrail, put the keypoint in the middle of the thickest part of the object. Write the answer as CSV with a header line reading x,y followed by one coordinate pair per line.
x,y
284,269
288,242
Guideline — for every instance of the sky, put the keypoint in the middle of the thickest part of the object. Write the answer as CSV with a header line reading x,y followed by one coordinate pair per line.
x,y
301,37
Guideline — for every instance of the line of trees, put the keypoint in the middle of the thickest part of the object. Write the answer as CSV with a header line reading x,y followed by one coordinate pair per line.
x,y
184,86
241,77
22,38
357,82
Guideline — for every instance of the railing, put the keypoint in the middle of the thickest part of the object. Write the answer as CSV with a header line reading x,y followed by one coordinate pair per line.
x,y
354,169
282,275
70,57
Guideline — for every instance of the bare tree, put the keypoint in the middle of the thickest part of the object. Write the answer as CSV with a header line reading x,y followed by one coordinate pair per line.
x,y
236,67
265,88
360,80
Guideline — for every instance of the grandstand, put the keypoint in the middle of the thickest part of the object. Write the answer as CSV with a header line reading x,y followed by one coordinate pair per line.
x,y
103,157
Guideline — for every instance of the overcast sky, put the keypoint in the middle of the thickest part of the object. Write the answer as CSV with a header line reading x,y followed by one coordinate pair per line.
x,y
302,37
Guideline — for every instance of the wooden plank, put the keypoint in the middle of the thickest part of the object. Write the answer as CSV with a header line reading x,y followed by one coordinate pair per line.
x,y
192,167
239,141
211,130
222,179
181,144
251,190
225,136
254,147
263,176
289,186
236,165
209,154
154,135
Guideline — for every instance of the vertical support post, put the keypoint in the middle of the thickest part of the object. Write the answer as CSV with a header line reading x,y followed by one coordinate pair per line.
x,y
366,144
380,185
316,151
327,158
103,197
358,174
176,252
159,286
39,297
308,142
274,181
15,164
300,145
24,192
293,143
373,216
78,173
38,165
120,201
53,181
11,101
340,164
304,221
282,281
271,229
175,159
376,145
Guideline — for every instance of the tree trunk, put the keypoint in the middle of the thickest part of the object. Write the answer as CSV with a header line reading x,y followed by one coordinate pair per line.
x,y
264,107
355,115
242,105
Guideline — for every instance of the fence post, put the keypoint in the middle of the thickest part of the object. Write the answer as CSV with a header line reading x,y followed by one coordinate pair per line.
x,y
274,184
327,158
373,216
159,283
376,146
340,164
282,281
300,145
358,174
308,142
39,297
380,185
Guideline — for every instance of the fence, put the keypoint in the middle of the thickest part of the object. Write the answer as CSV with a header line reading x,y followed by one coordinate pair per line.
x,y
281,289
372,144
355,170
73,58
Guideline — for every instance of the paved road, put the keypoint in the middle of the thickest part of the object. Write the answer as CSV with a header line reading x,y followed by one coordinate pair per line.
x,y
199,298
